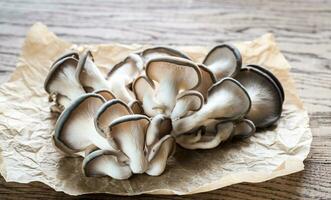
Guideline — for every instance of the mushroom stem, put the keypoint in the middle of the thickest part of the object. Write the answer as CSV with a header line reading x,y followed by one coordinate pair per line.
x,y
100,141
166,95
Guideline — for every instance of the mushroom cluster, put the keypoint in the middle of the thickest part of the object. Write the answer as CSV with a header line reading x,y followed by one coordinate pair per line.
x,y
129,122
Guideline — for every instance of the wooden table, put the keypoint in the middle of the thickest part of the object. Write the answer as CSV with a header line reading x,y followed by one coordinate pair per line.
x,y
302,29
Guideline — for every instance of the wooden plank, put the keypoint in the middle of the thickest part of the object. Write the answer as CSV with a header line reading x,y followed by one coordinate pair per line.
x,y
302,29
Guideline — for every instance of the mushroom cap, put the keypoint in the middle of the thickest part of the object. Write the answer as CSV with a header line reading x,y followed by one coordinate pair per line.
x,y
227,100
224,61
61,77
159,155
272,76
136,107
121,76
243,129
207,80
236,102
130,66
105,94
74,129
189,100
143,89
156,52
184,73
88,74
266,97
72,54
159,126
109,112
129,134
105,163
201,139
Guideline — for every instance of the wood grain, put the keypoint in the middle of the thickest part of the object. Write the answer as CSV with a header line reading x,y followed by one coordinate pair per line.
x,y
302,29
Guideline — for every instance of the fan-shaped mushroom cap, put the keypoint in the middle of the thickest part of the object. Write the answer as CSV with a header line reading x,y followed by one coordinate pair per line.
x,y
129,133
122,75
74,129
159,126
109,112
159,155
105,163
272,76
224,61
189,100
89,75
227,100
136,107
243,129
105,94
205,140
207,80
265,95
158,52
72,54
90,149
143,89
172,75
61,81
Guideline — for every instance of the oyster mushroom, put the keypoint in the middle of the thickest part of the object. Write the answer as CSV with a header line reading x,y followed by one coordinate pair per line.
x,y
159,154
60,82
158,52
227,100
266,96
129,133
172,75
206,140
272,76
74,129
105,94
143,89
243,129
224,61
136,107
207,80
109,112
89,75
160,145
121,76
159,127
187,101
105,163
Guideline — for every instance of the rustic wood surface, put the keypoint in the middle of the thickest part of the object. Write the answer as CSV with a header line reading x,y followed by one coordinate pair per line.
x,y
302,29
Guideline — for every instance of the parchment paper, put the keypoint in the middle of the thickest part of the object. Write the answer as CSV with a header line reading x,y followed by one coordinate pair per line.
x,y
26,126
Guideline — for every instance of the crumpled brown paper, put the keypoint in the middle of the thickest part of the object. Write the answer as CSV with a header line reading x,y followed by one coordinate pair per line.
x,y
26,126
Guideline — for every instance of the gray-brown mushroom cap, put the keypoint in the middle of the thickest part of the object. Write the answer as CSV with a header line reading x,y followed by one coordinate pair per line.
x,y
266,97
143,89
243,129
74,129
207,80
272,76
129,133
172,75
88,74
109,112
105,163
157,52
122,75
224,61
227,100
61,82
